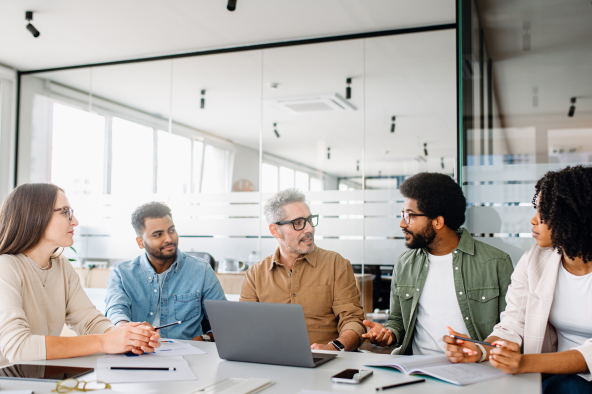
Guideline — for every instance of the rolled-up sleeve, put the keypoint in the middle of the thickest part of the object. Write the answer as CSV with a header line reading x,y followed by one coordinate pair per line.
x,y
512,319
17,344
346,301
117,303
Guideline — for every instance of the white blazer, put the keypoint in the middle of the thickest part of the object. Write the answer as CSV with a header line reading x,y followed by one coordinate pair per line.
x,y
529,299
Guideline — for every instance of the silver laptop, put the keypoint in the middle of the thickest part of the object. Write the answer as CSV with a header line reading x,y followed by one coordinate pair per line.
x,y
259,332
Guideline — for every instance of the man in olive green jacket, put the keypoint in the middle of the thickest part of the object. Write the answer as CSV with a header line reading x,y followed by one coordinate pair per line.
x,y
446,279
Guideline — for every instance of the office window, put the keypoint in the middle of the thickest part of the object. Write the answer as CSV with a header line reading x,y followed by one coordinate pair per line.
x,y
216,172
198,151
286,178
270,178
316,184
132,163
77,154
302,181
173,174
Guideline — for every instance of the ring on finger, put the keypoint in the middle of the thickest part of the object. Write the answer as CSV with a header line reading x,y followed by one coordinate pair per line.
x,y
132,342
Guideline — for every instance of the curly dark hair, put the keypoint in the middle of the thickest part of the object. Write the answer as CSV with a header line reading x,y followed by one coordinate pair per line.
x,y
149,210
565,207
437,195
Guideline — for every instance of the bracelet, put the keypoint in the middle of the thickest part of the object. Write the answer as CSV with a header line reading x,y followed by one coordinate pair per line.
x,y
483,352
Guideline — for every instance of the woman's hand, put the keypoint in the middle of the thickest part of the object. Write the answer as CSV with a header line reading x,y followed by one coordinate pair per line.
x,y
119,339
459,351
507,357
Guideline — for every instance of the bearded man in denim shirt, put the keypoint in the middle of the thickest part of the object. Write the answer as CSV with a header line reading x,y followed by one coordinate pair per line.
x,y
162,285
447,278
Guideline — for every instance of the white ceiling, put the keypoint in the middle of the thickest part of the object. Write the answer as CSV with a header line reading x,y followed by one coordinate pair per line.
x,y
411,76
80,32
557,67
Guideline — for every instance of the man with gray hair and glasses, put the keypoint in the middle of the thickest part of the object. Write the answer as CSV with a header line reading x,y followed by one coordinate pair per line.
x,y
299,272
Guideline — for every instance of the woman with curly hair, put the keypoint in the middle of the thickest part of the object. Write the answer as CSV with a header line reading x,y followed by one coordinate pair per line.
x,y
549,300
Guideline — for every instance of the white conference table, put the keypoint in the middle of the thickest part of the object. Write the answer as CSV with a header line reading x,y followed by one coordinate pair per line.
x,y
209,368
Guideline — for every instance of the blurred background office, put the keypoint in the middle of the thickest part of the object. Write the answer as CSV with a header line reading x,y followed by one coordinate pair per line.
x,y
212,111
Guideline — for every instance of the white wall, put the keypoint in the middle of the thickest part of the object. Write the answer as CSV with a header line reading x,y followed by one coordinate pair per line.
x,y
7,128
246,165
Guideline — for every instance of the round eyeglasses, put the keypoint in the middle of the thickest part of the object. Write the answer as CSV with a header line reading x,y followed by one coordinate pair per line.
x,y
69,385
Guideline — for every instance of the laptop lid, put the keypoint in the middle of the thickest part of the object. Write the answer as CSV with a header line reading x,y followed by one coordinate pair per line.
x,y
260,332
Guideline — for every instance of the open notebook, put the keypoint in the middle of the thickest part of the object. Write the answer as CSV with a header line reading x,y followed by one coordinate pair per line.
x,y
440,368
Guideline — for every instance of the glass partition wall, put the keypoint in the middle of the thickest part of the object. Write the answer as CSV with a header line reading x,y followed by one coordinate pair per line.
x,y
526,106
215,136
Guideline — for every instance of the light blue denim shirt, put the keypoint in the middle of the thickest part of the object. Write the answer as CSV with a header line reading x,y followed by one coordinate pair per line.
x,y
133,294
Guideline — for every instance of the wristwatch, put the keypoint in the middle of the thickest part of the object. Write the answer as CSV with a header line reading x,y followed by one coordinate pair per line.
x,y
206,337
338,345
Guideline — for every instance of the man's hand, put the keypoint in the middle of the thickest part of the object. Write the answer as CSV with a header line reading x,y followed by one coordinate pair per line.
x,y
507,357
318,346
459,351
378,334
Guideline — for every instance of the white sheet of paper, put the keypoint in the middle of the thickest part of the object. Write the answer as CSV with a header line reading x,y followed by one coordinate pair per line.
x,y
314,392
105,374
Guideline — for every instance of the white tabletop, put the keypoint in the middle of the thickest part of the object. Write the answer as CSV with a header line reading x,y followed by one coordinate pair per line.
x,y
209,368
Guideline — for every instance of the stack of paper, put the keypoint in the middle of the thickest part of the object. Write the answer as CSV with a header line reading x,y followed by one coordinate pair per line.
x,y
106,374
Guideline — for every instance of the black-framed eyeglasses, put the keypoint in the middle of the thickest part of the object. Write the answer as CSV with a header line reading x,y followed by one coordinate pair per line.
x,y
300,223
69,385
69,212
408,215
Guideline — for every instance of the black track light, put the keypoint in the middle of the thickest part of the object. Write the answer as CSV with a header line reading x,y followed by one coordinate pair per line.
x,y
442,162
348,88
572,107
202,103
393,124
275,130
526,36
30,27
231,5
425,148
328,153
358,165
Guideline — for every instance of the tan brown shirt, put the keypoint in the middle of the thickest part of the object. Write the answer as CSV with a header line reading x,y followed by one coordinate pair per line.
x,y
322,282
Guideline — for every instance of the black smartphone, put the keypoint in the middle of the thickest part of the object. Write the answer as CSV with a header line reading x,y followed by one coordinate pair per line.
x,y
52,373
351,376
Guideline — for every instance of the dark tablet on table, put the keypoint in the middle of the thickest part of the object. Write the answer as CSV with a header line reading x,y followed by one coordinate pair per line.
x,y
47,373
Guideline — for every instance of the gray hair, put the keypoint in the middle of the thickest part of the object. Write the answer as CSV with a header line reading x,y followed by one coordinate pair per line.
x,y
274,208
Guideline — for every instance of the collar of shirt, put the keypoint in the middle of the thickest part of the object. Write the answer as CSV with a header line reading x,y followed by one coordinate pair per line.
x,y
466,244
311,258
149,271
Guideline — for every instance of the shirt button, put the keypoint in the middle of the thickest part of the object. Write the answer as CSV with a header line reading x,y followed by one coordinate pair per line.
x,y
456,268
149,278
155,290
460,293
482,298
467,318
151,313
455,251
417,289
294,295
406,295
290,274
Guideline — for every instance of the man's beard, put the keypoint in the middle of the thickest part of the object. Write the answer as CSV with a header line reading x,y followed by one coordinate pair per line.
x,y
159,254
301,251
422,239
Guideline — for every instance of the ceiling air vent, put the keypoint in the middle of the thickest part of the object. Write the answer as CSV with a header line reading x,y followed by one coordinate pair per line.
x,y
310,104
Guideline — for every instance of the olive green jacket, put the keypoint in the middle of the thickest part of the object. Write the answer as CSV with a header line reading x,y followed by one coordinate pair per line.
x,y
481,278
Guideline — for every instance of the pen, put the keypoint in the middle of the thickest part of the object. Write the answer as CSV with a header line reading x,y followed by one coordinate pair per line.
x,y
168,325
399,384
142,369
473,340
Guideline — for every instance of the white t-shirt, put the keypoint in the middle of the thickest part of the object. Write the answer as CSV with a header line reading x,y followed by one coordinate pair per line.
x,y
437,307
570,312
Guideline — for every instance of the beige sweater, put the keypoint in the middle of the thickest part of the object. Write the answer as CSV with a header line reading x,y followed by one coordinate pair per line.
x,y
29,310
